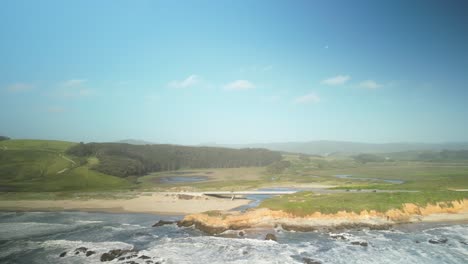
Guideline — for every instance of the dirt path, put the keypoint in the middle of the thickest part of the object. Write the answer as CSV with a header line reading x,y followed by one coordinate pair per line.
x,y
67,159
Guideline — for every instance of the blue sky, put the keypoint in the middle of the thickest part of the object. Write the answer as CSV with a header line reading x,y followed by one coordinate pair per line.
x,y
190,72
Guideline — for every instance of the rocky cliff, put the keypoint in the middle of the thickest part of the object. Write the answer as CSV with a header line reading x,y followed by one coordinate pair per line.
x,y
214,223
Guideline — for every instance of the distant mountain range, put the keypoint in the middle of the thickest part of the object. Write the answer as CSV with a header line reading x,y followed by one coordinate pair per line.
x,y
324,147
135,142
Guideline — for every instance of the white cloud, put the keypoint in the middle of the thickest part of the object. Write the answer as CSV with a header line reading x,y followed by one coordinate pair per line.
x,y
239,85
189,81
337,80
370,84
73,82
19,87
308,98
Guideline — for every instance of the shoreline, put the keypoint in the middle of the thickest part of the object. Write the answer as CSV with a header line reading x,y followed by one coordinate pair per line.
x,y
216,215
151,203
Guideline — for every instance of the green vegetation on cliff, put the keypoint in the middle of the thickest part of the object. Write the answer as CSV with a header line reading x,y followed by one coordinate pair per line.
x,y
304,203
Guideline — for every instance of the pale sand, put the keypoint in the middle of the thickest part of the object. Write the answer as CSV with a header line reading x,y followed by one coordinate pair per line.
x,y
162,203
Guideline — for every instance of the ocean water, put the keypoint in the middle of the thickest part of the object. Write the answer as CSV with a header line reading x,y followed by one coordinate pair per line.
x,y
40,237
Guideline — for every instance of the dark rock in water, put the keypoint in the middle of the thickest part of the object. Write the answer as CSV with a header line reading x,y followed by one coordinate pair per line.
x,y
144,257
63,254
107,257
185,223
463,242
149,261
122,258
360,243
90,252
211,230
338,237
241,233
163,222
270,236
115,253
310,261
438,241
80,250
131,262
298,228
359,226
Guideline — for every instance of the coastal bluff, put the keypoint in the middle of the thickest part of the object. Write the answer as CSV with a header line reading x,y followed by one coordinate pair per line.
x,y
215,222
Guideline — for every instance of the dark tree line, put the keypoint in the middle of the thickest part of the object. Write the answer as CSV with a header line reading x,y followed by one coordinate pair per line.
x,y
445,155
364,158
125,160
4,138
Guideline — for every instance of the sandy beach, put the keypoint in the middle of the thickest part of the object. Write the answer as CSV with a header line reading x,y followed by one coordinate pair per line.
x,y
157,203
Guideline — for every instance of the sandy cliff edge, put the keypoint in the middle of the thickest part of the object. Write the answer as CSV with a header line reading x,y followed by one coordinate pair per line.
x,y
263,217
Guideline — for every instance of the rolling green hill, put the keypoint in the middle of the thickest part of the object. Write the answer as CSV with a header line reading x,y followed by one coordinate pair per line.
x,y
41,165
328,147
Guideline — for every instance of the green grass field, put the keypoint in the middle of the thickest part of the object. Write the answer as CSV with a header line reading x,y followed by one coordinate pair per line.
x,y
430,181
40,165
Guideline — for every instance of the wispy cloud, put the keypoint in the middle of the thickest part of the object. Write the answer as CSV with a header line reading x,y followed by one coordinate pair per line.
x,y
74,88
187,82
73,82
336,80
19,87
308,98
370,84
239,85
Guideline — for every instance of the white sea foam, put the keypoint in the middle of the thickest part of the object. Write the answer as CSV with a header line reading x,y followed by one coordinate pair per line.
x,y
88,222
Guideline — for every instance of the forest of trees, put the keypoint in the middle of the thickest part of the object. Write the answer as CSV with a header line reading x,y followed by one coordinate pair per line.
x,y
125,160
4,138
364,158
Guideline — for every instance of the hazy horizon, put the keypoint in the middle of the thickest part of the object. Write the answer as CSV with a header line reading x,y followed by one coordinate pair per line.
x,y
237,72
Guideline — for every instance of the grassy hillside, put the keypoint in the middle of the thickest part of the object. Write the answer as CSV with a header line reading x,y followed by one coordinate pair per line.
x,y
31,144
323,147
41,165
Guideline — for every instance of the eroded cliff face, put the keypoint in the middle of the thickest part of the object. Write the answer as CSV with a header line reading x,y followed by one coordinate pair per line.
x,y
268,218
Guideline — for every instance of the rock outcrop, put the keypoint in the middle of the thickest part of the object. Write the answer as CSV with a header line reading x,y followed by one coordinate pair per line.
x,y
115,253
263,217
270,236
163,222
